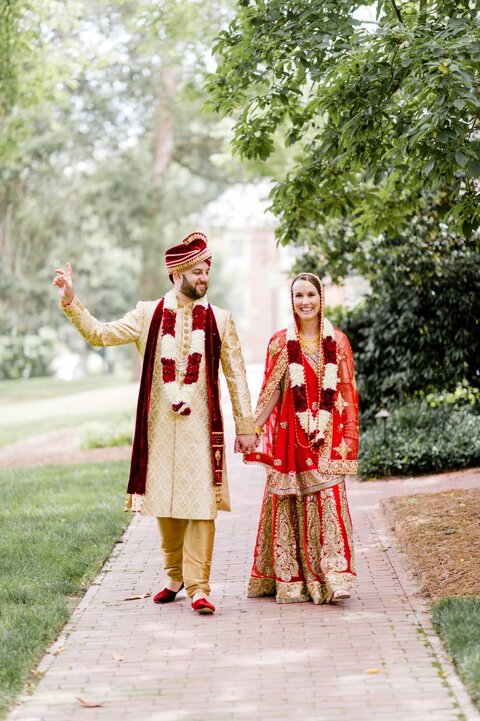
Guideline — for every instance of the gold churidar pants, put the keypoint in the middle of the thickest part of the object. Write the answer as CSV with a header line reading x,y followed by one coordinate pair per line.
x,y
187,547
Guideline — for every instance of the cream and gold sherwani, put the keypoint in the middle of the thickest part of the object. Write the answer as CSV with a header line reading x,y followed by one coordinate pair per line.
x,y
179,477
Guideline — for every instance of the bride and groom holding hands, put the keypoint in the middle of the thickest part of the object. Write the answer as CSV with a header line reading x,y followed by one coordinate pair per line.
x,y
304,432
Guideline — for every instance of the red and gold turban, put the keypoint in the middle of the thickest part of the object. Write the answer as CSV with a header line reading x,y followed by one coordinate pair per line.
x,y
192,250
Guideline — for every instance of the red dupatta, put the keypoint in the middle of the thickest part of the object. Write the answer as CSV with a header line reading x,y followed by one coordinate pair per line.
x,y
284,446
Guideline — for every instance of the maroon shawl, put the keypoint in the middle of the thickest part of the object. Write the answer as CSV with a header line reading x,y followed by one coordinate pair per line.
x,y
139,462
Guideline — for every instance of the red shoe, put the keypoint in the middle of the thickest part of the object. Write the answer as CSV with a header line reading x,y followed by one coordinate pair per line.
x,y
166,596
203,606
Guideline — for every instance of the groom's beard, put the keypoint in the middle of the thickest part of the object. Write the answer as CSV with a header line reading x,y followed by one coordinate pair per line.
x,y
193,291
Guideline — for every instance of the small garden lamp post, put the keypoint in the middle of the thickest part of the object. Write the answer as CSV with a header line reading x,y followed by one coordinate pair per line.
x,y
383,415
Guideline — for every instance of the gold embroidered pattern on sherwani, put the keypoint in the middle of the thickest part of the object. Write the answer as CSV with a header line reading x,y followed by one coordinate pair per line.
x,y
179,477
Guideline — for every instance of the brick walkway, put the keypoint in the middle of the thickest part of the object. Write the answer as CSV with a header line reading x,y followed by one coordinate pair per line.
x,y
376,658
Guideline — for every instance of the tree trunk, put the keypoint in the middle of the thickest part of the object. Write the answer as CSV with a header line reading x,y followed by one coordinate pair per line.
x,y
164,131
152,263
6,245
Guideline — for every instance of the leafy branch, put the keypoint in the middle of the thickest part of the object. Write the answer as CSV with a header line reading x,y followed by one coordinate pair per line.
x,y
397,11
422,13
385,114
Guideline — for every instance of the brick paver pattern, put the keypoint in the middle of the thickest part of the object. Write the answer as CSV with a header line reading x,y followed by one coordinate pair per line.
x,y
375,658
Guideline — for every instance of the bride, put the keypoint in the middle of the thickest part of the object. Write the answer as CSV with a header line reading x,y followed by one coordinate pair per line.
x,y
307,420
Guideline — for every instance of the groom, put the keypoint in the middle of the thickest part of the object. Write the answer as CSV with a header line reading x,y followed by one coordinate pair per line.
x,y
178,471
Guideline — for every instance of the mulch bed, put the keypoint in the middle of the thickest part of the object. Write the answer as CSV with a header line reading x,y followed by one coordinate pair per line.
x,y
440,533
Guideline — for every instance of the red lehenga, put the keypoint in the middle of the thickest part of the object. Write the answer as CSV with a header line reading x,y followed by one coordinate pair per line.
x,y
304,546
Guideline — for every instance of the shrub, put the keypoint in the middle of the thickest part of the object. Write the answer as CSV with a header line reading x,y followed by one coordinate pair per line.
x,y
463,395
106,435
27,355
422,439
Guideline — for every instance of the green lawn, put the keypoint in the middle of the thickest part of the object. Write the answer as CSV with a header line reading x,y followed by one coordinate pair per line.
x,y
457,620
31,389
59,524
47,404
19,431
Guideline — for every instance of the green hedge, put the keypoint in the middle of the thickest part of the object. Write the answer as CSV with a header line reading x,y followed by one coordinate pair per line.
x,y
106,434
422,439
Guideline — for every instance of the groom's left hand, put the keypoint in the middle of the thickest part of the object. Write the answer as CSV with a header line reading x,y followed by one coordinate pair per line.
x,y
246,443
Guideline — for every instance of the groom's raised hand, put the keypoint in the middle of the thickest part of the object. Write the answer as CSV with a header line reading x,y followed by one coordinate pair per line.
x,y
64,283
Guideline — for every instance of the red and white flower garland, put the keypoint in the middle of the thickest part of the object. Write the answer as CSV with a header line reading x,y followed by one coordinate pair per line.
x,y
314,426
180,396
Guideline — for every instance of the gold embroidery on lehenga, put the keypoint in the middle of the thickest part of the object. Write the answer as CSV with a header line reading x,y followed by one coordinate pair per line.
x,y
312,547
313,535
263,550
295,592
333,549
307,544
258,587
347,523
285,550
334,561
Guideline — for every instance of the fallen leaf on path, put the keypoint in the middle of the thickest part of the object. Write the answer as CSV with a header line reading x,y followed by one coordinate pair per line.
x,y
138,596
88,704
118,657
59,650
372,670
38,674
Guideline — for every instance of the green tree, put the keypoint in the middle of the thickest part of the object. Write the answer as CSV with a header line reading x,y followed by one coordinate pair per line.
x,y
379,113
117,153
384,118
419,330
9,40
105,151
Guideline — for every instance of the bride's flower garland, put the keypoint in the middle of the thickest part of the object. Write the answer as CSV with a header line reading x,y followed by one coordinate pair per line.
x,y
180,396
314,426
